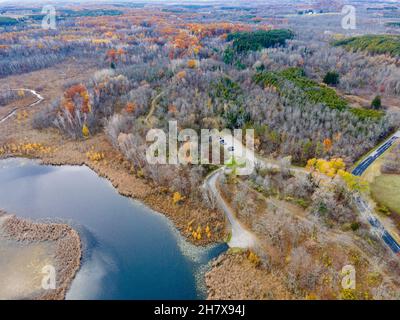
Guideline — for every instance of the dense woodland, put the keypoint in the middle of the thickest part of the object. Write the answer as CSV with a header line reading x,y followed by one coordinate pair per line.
x,y
213,75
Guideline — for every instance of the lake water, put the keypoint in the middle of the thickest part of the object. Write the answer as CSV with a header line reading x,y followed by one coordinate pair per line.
x,y
129,251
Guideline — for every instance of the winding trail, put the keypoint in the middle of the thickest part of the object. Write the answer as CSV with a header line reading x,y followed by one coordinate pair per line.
x,y
240,236
13,111
154,106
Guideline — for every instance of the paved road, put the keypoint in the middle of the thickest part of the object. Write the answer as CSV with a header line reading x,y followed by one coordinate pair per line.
x,y
37,95
377,226
366,211
363,165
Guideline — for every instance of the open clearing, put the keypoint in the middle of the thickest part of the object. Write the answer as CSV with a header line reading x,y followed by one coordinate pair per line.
x,y
386,190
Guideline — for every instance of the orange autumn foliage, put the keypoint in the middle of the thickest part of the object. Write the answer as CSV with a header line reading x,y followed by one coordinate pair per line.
x,y
327,144
181,74
77,91
130,107
111,55
172,109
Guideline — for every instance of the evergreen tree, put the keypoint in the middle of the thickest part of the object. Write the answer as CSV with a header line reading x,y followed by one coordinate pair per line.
x,y
376,103
331,78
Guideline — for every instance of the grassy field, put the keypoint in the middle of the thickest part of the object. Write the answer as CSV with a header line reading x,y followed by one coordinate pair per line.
x,y
384,187
385,190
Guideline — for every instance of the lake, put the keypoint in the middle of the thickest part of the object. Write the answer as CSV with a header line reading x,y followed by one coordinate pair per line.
x,y
129,251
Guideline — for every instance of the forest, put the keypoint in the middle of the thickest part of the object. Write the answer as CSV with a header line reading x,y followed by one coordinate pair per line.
x,y
375,44
217,75
7,21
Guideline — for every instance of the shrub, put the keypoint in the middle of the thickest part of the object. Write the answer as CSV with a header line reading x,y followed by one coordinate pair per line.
x,y
331,78
376,104
384,210
8,96
192,64
348,294
355,226
253,258
367,113
229,56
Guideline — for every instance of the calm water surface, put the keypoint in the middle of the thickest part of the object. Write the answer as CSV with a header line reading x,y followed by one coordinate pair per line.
x,y
130,251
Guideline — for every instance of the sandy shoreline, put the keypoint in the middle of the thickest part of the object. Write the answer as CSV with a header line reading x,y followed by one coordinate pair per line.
x,y
63,249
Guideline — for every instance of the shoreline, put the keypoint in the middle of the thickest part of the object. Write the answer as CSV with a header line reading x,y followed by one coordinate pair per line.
x,y
113,167
63,151
67,253
116,170
148,199
51,148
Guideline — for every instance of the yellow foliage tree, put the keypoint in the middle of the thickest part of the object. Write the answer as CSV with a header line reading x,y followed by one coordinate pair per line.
x,y
353,182
311,296
337,167
85,131
253,258
192,64
327,167
189,226
176,198
181,74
